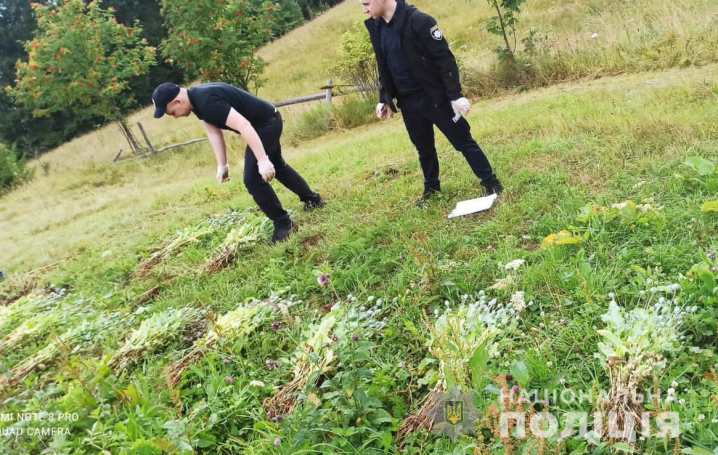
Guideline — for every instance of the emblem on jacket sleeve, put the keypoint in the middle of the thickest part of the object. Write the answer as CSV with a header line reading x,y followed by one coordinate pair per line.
x,y
436,33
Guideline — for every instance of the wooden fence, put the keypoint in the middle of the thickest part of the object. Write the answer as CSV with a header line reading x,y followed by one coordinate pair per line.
x,y
328,92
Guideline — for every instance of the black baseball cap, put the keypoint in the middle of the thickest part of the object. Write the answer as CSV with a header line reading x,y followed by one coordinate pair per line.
x,y
162,96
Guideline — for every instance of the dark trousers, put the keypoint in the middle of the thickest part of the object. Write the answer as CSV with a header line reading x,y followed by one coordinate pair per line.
x,y
261,191
420,115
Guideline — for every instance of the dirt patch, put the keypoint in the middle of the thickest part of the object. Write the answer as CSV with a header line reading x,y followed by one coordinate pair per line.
x,y
530,246
388,173
311,240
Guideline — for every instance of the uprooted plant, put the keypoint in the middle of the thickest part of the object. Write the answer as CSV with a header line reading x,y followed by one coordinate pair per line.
x,y
153,333
316,356
634,351
462,340
243,320
249,233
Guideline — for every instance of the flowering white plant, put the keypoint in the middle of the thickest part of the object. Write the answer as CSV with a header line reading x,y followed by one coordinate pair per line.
x,y
515,264
469,331
634,349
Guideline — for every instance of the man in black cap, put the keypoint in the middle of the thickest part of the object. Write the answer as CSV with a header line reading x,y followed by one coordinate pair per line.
x,y
417,68
225,107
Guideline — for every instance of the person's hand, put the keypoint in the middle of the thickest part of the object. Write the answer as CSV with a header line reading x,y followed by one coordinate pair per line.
x,y
266,169
461,106
223,173
382,111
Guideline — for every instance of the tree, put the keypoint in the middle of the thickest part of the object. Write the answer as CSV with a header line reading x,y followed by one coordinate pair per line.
x,y
17,125
218,38
81,58
504,24
286,16
147,12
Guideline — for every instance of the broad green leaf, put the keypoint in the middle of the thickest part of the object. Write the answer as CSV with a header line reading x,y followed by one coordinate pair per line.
x,y
709,206
610,337
696,451
705,276
623,446
379,416
492,389
205,440
521,373
701,165
477,363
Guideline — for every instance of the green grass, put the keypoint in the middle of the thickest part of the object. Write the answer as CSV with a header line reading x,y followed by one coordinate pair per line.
x,y
556,150
622,130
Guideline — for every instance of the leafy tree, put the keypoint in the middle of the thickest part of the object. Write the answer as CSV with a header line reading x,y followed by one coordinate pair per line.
x,y
504,24
147,12
286,16
219,38
81,58
17,125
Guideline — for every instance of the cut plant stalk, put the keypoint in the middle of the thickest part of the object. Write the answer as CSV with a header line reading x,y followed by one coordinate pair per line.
x,y
251,232
241,321
152,334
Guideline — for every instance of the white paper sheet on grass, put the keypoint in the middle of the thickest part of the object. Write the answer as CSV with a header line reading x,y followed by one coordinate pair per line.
x,y
472,206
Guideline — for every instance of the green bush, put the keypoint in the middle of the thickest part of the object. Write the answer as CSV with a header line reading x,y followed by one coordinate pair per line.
x,y
312,123
318,120
354,111
13,170
357,64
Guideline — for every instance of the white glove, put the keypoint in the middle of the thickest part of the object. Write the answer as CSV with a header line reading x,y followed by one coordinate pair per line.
x,y
461,106
382,111
266,169
222,173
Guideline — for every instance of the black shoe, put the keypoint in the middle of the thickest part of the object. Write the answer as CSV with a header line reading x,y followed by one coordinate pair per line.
x,y
314,204
493,187
428,194
281,232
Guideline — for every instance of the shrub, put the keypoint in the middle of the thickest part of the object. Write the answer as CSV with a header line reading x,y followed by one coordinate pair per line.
x,y
318,120
13,170
357,64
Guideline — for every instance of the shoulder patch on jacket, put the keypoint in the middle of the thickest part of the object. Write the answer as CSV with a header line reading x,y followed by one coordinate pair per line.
x,y
436,33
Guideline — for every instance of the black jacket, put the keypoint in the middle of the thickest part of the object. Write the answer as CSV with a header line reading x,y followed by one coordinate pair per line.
x,y
432,63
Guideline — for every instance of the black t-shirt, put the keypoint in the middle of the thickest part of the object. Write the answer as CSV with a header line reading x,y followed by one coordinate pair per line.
x,y
212,103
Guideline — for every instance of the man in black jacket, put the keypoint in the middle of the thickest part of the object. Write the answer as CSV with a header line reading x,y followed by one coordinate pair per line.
x,y
225,107
417,68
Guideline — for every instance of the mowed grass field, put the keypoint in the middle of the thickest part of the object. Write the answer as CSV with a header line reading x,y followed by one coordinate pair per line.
x,y
580,156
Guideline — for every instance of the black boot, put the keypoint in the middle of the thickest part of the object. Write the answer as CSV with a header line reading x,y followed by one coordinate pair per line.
x,y
428,194
316,203
493,186
282,231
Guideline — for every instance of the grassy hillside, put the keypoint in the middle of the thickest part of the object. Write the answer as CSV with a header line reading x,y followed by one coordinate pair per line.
x,y
80,178
158,346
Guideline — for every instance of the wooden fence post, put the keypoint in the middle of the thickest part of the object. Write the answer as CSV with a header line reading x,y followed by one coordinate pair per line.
x,y
142,130
329,91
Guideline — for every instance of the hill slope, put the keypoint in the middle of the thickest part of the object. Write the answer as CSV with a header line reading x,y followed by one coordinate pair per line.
x,y
164,332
